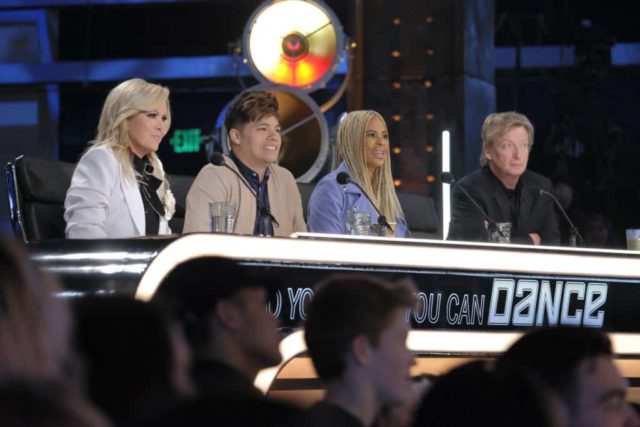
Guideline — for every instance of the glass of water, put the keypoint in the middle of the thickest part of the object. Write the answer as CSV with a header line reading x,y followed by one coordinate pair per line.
x,y
348,221
223,216
361,223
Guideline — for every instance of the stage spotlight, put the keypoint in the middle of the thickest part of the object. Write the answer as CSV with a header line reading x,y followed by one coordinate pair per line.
x,y
305,134
296,43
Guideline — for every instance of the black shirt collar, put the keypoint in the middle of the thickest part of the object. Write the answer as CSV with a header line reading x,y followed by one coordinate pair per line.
x,y
248,173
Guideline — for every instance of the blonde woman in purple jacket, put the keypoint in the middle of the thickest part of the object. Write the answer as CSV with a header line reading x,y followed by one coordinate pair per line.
x,y
363,154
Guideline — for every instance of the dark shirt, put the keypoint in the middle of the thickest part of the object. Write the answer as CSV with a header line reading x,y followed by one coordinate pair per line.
x,y
148,185
513,196
325,414
263,225
214,378
525,208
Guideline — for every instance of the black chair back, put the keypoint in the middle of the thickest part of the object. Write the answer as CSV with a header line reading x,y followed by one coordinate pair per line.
x,y
305,188
36,190
180,185
421,215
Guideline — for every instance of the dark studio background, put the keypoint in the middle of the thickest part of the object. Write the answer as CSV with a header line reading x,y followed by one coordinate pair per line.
x,y
451,71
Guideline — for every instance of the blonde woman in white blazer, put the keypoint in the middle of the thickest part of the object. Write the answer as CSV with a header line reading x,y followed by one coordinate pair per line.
x,y
119,189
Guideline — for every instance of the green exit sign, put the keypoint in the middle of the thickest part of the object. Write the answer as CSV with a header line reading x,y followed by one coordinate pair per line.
x,y
186,141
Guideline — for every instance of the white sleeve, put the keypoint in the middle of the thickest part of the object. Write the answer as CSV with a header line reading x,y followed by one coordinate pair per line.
x,y
88,198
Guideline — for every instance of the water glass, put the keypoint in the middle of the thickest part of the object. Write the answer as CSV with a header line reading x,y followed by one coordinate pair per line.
x,y
361,223
223,216
501,233
633,239
348,221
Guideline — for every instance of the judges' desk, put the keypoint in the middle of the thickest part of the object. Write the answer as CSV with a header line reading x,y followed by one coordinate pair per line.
x,y
473,299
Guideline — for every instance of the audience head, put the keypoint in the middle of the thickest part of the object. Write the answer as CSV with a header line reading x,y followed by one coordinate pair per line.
x,y
475,394
357,327
564,193
253,127
363,144
230,411
597,231
44,404
34,323
578,365
224,308
134,354
507,139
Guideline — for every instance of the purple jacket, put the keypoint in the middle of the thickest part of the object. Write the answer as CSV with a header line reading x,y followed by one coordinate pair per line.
x,y
330,201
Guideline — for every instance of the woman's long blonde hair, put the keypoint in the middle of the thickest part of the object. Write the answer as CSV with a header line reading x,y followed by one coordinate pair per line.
x,y
351,133
123,102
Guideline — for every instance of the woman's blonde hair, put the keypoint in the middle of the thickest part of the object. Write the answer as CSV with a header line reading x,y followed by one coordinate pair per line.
x,y
351,134
123,102
497,124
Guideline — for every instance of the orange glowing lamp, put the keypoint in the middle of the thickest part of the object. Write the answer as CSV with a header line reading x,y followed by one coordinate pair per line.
x,y
296,43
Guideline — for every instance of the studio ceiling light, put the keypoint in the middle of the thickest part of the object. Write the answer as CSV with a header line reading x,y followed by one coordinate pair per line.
x,y
296,43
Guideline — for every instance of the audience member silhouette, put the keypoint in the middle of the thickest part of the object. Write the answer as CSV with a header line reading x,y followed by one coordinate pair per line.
x,y
356,334
45,404
137,362
475,394
231,333
34,324
577,364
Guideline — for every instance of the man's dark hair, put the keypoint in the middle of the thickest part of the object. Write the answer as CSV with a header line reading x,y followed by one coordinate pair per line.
x,y
193,288
344,307
250,107
555,354
475,394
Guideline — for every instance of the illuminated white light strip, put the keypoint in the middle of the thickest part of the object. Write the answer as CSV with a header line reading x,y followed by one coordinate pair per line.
x,y
625,343
446,188
133,269
463,342
96,256
291,346
372,251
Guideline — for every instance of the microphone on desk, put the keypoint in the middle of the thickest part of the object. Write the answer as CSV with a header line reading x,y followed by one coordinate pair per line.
x,y
574,235
217,159
343,178
448,178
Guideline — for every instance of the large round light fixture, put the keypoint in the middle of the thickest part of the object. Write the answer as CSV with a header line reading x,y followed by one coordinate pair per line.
x,y
296,43
305,134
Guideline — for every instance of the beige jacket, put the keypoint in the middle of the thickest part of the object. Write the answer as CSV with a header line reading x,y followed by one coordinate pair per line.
x,y
219,184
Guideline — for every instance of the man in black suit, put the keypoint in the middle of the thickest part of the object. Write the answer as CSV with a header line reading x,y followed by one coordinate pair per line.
x,y
504,188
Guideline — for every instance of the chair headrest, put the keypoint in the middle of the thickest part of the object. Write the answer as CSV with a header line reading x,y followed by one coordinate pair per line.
x,y
44,181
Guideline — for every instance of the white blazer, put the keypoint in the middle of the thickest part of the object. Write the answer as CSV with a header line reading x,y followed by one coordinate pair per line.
x,y
101,204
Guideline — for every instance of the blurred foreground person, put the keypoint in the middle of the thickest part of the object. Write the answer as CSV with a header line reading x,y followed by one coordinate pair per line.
x,y
232,335
577,364
356,334
137,361
35,325
474,394
44,404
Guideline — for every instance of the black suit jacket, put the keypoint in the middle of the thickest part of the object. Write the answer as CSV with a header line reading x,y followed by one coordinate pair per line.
x,y
535,212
